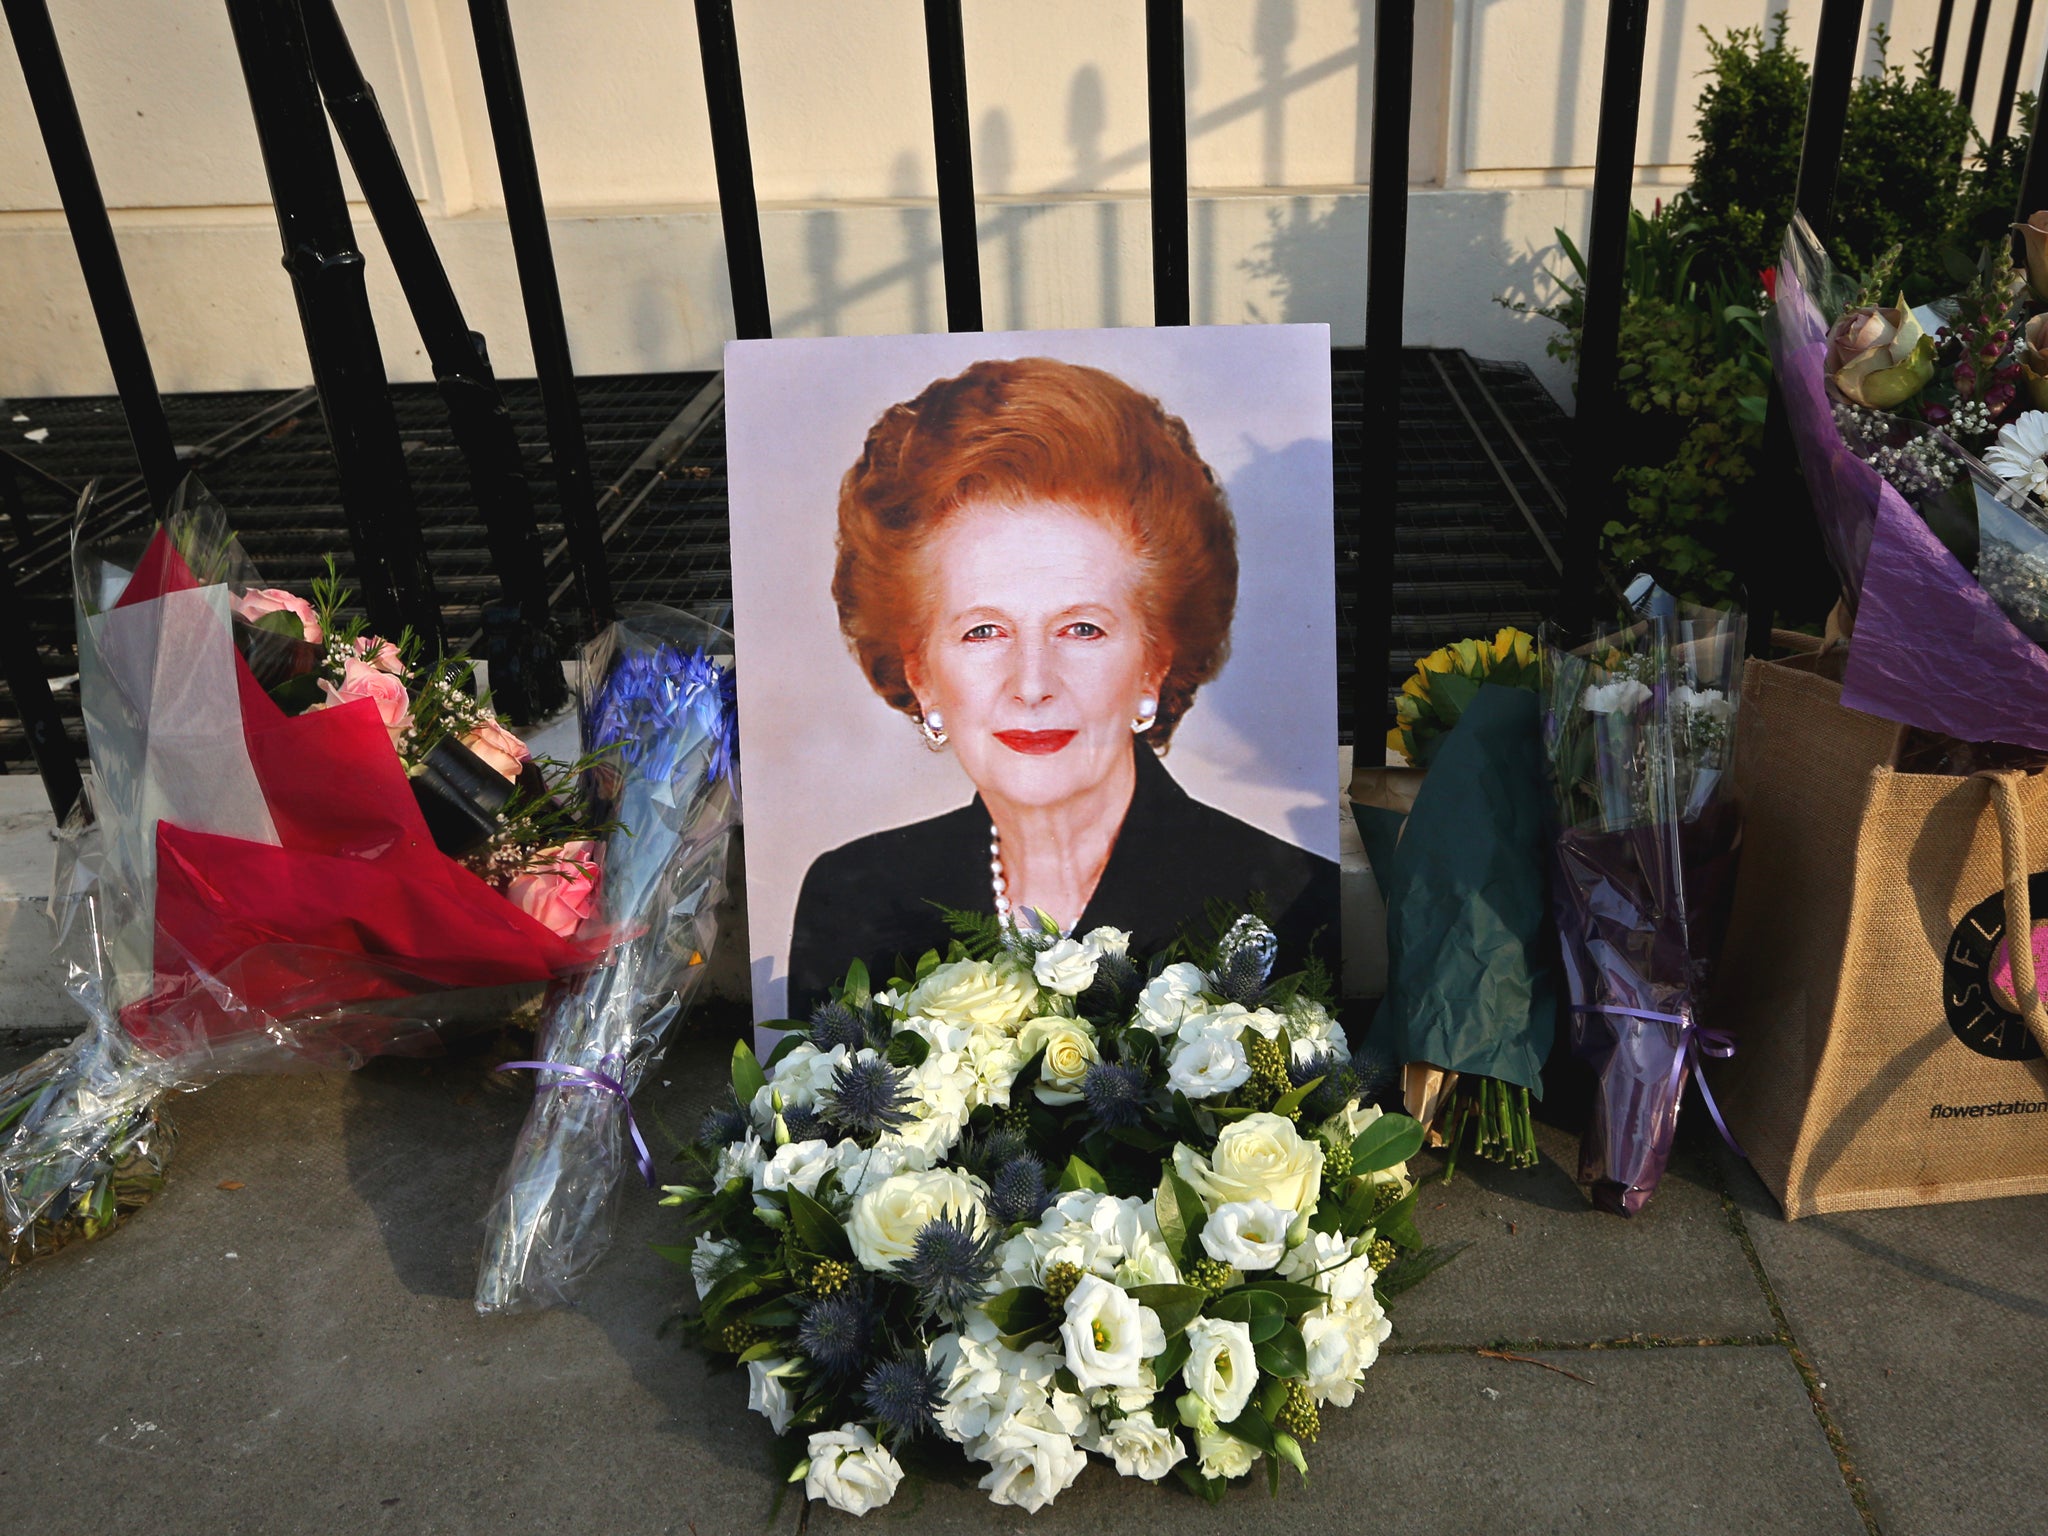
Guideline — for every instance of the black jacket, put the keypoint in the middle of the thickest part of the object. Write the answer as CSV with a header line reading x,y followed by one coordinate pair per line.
x,y
873,899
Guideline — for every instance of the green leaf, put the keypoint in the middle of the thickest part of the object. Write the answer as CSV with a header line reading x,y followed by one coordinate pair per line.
x,y
747,1077
775,1314
1284,1354
817,1228
908,1050
1413,1268
1170,1360
1039,1333
1209,1489
675,1253
1021,1307
760,1351
1294,1296
855,990
1263,1328
1177,1305
1078,1175
1397,1222
1388,1142
1290,1101
1188,1214
1244,1304
797,1035
1252,1430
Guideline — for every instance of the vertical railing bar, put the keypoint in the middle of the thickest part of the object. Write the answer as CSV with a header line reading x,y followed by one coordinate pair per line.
x,y
1973,53
526,679
2034,176
1386,286
1166,96
334,310
41,720
2009,81
92,234
540,291
1939,54
1595,427
739,211
952,148
1827,111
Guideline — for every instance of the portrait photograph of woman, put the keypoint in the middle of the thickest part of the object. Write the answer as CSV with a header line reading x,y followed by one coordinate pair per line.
x,y
1032,624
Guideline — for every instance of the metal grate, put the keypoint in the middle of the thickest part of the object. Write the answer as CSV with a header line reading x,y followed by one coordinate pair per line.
x,y
1480,450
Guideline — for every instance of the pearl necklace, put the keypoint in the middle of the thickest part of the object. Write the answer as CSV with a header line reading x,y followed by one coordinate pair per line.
x,y
997,879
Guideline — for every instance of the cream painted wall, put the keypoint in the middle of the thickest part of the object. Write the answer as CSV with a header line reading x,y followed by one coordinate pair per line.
x,y
1279,129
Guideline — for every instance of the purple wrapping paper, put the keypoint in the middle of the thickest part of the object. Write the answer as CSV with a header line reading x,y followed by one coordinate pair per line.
x,y
1931,649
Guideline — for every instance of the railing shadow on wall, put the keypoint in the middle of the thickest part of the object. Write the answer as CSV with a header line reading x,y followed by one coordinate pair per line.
x,y
296,63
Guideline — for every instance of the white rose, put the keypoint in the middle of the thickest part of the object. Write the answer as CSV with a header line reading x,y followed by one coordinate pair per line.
x,y
1067,968
975,993
1069,1046
739,1160
711,1260
1031,1464
1247,1234
1223,1455
796,1165
886,1219
1221,1368
1109,1336
1261,1157
1207,1065
1107,941
1170,997
1325,1261
850,1471
799,1078
766,1394
1140,1448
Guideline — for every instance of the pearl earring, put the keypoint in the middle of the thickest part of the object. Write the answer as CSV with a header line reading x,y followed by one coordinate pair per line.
x,y
932,726
1148,711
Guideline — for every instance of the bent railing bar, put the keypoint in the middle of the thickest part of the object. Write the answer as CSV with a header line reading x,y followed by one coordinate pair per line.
x,y
334,311
1973,52
1827,111
2009,81
1939,54
541,293
719,50
1386,284
92,235
526,680
1595,426
1484,437
1166,98
41,720
953,149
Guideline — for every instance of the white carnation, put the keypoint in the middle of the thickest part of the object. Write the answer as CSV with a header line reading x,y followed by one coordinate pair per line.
x,y
1223,1455
1107,941
1140,1448
1343,1342
1170,997
799,1078
1067,968
739,1160
1247,1234
1032,1461
796,1165
1325,1260
850,1471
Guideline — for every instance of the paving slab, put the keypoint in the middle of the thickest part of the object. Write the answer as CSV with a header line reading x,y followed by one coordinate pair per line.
x,y
1543,1265
1929,1328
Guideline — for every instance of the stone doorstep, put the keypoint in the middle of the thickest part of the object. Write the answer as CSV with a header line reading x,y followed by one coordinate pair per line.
x,y
33,1001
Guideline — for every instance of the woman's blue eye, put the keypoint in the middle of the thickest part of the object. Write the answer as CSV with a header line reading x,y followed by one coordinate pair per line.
x,y
982,632
1082,630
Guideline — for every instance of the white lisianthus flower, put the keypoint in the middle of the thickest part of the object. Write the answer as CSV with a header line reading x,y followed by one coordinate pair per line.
x,y
1221,1369
1032,1461
850,1471
739,1160
1069,1046
1223,1455
766,1395
1261,1157
1619,697
711,1260
1169,997
1207,1065
1140,1448
885,1220
1325,1261
1343,1343
1109,1336
796,1165
799,1078
1107,941
976,993
1067,968
1247,1234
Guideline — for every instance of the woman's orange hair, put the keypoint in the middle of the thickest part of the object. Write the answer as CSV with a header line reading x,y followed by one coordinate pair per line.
x,y
1032,429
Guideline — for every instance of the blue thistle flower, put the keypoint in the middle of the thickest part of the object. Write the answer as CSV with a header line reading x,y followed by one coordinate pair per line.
x,y
1375,1069
835,1024
1115,986
904,1395
1017,1191
983,1152
950,1264
1339,1083
806,1124
838,1332
867,1098
1114,1093
723,1125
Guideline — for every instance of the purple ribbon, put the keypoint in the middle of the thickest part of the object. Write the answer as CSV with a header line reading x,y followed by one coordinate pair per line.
x,y
594,1079
1695,1041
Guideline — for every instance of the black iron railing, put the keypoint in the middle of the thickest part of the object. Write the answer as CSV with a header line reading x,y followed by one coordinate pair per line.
x,y
297,61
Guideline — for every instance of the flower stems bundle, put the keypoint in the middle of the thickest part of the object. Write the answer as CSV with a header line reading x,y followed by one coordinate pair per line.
x,y
660,711
1041,1200
1497,1117
1639,725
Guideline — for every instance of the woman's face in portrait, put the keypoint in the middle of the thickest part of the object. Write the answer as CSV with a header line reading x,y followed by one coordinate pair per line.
x,y
1033,654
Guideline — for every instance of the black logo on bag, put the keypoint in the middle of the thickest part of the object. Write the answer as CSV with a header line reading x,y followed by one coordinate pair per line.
x,y
1982,1017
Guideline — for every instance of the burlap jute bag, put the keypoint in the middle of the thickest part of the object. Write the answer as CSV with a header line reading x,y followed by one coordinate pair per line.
x,y
1881,1059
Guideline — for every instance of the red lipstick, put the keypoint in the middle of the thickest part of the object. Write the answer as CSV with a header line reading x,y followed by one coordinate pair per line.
x,y
1035,743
